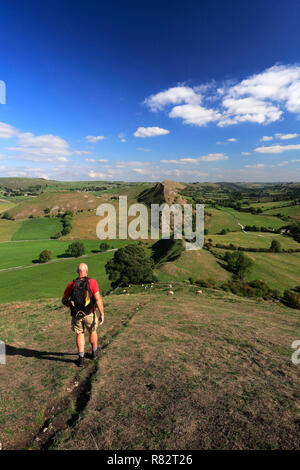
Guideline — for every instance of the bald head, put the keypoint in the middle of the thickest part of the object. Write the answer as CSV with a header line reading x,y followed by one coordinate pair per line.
x,y
82,269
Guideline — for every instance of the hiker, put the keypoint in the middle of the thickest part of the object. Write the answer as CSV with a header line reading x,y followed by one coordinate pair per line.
x,y
82,295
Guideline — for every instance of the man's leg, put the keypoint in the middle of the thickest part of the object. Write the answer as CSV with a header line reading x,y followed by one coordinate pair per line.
x,y
94,339
80,342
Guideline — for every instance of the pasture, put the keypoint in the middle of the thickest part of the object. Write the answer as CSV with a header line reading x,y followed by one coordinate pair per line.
x,y
246,218
182,372
254,240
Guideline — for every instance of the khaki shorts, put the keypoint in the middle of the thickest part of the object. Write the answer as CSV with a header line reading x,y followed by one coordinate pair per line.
x,y
80,325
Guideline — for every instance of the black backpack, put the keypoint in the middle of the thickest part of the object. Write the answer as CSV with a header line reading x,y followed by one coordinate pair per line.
x,y
81,300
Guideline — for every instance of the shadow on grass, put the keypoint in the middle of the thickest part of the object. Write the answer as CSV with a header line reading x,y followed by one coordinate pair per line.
x,y
48,355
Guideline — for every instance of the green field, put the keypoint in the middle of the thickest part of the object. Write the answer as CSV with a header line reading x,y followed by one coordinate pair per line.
x,y
292,211
5,205
218,220
246,218
279,270
270,204
49,280
14,254
8,228
35,229
199,264
254,240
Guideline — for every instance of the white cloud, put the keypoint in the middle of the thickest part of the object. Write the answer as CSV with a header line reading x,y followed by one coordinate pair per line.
x,y
121,136
266,138
277,148
93,174
42,147
296,160
175,95
94,138
286,136
194,114
283,163
91,160
245,153
256,165
261,98
7,131
248,110
150,132
46,147
211,157
232,140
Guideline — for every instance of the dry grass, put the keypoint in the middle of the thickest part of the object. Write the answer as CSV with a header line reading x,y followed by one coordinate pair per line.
x,y
191,372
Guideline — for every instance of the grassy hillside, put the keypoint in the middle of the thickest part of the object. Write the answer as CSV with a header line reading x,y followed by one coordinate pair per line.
x,y
49,280
8,228
35,229
199,264
176,372
254,240
279,270
55,201
215,220
246,218
292,211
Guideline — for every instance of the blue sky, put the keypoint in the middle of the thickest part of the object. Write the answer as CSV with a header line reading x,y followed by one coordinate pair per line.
x,y
192,91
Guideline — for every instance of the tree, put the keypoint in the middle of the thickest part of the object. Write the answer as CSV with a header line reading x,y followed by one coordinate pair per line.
x,y
275,246
130,265
47,211
45,255
57,235
238,263
76,249
104,246
7,216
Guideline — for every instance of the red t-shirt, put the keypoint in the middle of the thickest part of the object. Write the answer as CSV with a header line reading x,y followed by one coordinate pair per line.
x,y
93,286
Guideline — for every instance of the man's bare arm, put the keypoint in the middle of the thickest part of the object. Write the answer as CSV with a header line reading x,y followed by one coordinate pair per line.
x,y
100,306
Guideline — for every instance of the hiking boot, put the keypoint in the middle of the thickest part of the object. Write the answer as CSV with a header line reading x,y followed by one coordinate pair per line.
x,y
80,361
95,354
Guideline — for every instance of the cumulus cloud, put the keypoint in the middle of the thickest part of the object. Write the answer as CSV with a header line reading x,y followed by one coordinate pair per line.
x,y
256,165
248,109
280,136
94,138
261,98
211,157
286,136
7,131
46,147
101,175
277,148
175,95
150,132
194,114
